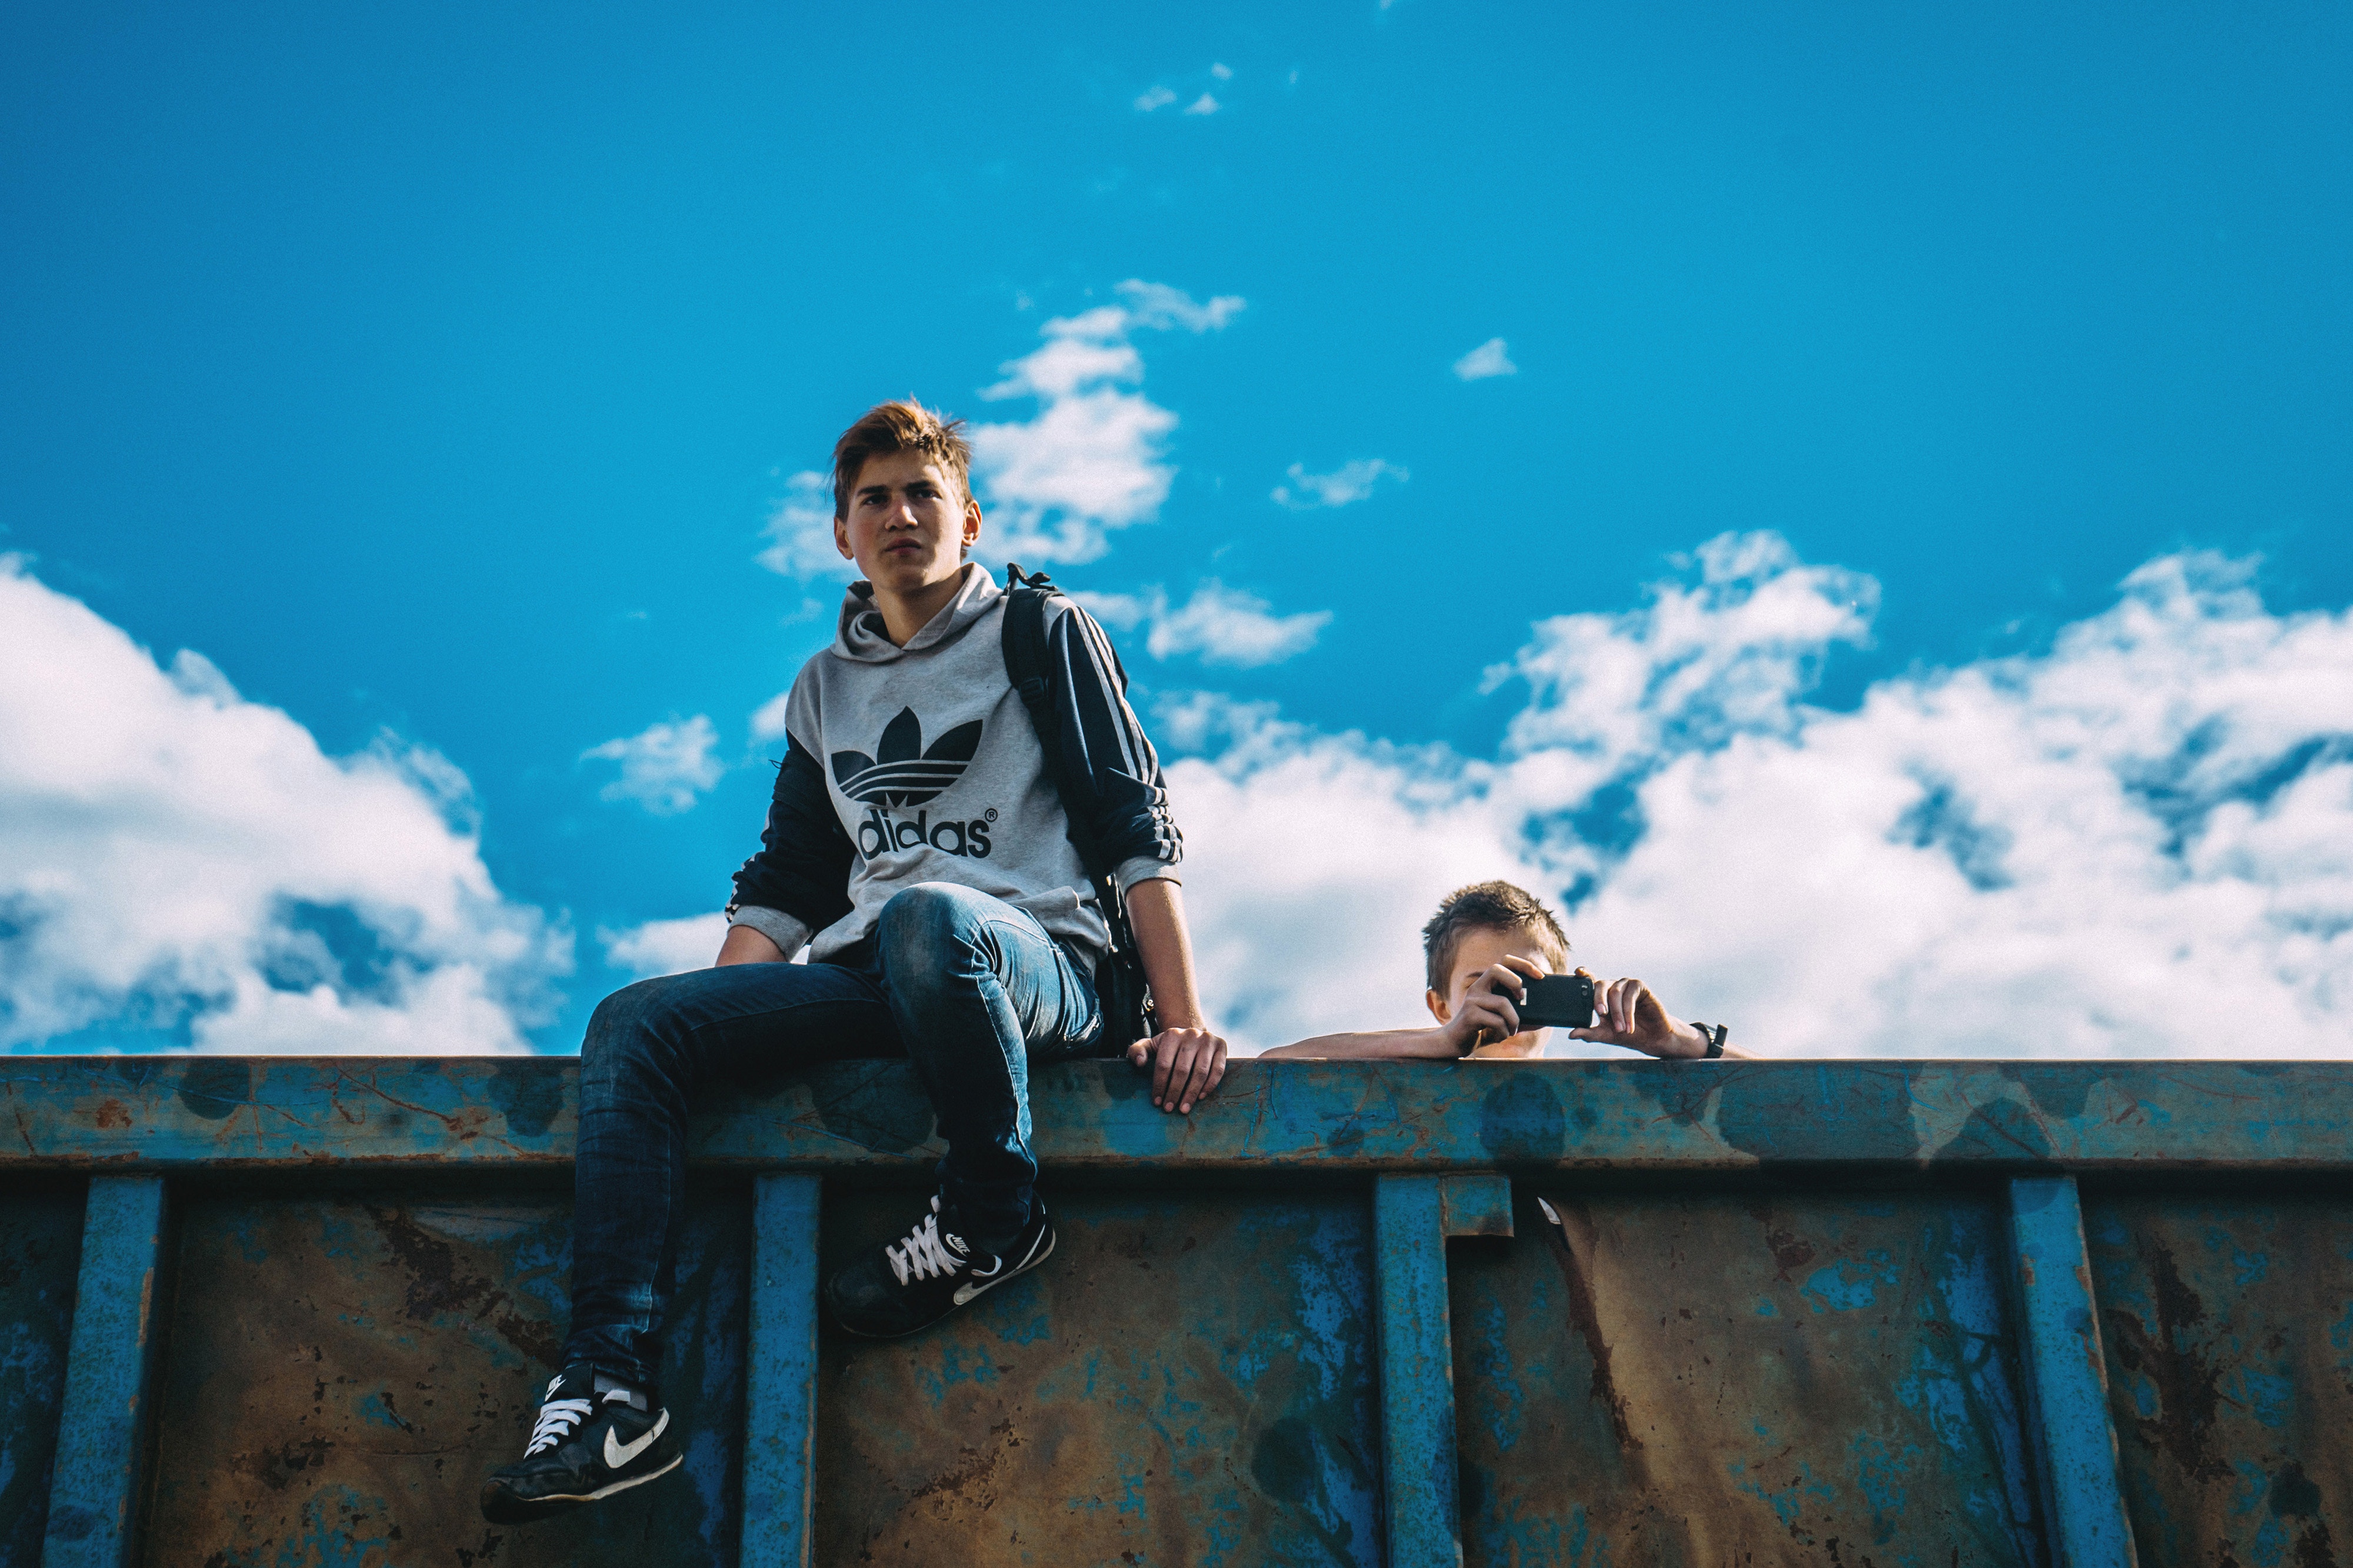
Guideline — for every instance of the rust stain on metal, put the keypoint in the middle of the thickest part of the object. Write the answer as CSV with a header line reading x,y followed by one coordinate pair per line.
x,y
356,1370
1584,1316
1856,1404
1789,1251
463,1125
2229,1337
436,1286
2188,1384
1134,1400
277,1467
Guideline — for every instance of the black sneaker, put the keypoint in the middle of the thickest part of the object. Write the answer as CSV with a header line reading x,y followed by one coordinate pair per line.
x,y
595,1436
928,1273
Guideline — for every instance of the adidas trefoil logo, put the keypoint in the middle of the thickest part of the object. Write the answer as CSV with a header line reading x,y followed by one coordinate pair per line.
x,y
900,772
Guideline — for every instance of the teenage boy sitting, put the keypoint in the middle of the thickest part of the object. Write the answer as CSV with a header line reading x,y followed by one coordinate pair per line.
x,y
1484,939
918,845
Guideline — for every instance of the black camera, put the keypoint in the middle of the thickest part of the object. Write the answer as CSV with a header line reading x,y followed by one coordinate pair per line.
x,y
1557,1002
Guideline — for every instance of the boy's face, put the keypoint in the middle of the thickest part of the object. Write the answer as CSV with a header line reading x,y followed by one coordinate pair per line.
x,y
909,524
1480,950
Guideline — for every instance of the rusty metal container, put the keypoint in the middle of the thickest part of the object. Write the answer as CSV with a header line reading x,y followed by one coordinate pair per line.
x,y
271,1310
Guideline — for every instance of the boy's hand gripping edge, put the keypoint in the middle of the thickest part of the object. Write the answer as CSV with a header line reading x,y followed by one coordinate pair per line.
x,y
1186,1067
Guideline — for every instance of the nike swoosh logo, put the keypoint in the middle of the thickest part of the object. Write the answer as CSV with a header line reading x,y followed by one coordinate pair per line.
x,y
619,1454
967,1292
980,1282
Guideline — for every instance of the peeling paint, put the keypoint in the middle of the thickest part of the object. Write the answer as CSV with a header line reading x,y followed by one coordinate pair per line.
x,y
342,1442
1888,1432
2231,1384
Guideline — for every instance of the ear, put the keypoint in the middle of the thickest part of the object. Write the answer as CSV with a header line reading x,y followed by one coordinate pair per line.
x,y
1438,1007
971,522
841,538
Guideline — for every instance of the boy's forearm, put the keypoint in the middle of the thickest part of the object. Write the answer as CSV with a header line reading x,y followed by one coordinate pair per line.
x,y
743,944
1393,1044
1155,910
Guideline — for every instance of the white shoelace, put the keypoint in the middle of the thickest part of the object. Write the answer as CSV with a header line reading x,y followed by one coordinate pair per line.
x,y
923,1255
558,1417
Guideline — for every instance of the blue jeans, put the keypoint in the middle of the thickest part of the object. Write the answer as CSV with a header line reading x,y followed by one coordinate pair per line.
x,y
970,988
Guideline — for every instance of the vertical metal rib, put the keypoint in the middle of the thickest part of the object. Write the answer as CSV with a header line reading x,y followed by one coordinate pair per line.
x,y
2067,1377
780,1398
1418,1467
103,1431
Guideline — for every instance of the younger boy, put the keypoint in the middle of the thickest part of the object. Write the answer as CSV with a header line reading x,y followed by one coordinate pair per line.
x,y
1484,939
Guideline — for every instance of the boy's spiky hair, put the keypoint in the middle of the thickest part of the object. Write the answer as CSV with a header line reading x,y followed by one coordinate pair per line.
x,y
902,426
1488,906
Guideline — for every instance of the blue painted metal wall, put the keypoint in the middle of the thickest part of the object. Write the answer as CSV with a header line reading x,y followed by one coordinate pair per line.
x,y
1189,1380
40,1254
1814,1374
350,1365
98,1472
2227,1324
1570,1313
780,1383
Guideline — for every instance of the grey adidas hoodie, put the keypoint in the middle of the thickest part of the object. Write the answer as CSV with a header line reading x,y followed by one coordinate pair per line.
x,y
920,764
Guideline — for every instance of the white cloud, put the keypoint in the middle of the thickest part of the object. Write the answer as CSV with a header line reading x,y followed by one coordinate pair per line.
x,y
1159,306
2140,843
1223,625
1160,96
663,766
179,865
800,531
1732,653
1488,359
1093,460
768,721
1350,483
665,947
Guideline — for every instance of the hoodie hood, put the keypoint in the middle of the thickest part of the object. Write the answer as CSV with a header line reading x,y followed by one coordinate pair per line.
x,y
859,634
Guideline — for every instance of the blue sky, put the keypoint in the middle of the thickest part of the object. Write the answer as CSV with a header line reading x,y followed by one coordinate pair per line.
x,y
438,371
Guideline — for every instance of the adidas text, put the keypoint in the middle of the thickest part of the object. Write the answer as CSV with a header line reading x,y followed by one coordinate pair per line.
x,y
880,833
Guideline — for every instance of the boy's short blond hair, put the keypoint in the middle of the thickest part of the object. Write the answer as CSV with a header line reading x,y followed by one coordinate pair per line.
x,y
1488,906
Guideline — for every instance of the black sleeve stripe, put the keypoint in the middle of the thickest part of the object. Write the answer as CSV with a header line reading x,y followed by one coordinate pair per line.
x,y
1135,747
1112,722
1127,800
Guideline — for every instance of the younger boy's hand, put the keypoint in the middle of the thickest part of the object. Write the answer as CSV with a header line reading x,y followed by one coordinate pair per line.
x,y
1490,1012
1626,1013
1187,1066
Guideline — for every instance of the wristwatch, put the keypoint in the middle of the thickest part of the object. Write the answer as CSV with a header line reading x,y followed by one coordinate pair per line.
x,y
1716,1035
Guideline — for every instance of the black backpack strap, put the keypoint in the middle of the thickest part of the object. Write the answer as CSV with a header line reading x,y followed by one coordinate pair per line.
x,y
1025,654
1119,985
1030,671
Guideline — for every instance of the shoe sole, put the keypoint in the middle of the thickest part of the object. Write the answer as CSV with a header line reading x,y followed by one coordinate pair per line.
x,y
1028,1263
518,1512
